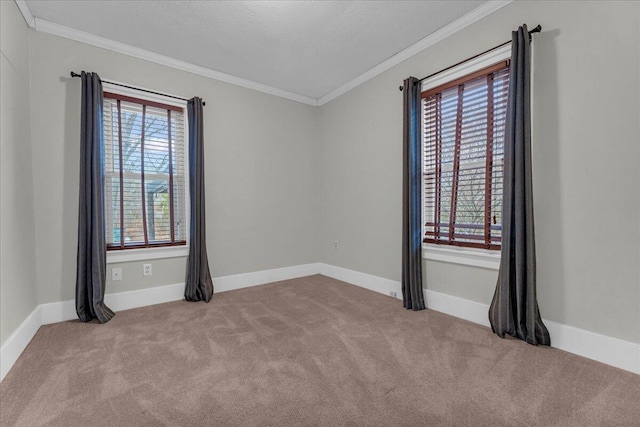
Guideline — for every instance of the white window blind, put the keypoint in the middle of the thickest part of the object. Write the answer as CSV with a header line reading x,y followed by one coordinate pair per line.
x,y
144,173
463,147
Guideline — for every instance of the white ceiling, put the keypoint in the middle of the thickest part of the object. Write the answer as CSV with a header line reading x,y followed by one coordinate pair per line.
x,y
309,48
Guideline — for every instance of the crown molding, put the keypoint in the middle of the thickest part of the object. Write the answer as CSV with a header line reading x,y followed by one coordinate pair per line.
x,y
475,15
48,27
26,13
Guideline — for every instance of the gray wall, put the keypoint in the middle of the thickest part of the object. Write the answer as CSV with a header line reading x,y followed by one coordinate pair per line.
x,y
586,154
18,295
285,180
261,175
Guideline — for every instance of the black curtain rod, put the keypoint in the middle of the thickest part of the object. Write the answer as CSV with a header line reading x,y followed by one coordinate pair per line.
x,y
74,74
537,29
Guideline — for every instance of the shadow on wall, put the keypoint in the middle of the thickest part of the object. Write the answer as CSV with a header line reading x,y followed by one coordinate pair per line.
x,y
71,149
546,178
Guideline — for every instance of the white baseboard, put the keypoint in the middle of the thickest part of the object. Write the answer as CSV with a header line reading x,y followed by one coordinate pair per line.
x,y
143,297
611,351
18,341
458,307
66,310
245,280
373,283
61,311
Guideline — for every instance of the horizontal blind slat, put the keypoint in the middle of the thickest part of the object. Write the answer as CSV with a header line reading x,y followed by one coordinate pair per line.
x,y
156,155
439,121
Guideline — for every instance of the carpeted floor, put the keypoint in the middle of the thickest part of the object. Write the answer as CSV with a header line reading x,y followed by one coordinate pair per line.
x,y
310,351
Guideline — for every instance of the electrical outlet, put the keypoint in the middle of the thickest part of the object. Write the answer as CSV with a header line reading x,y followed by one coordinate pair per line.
x,y
393,294
116,274
146,270
335,245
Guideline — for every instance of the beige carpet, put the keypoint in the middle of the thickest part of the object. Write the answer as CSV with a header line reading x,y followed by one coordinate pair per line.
x,y
310,351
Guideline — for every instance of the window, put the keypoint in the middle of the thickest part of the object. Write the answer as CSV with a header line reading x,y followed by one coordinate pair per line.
x,y
144,173
463,145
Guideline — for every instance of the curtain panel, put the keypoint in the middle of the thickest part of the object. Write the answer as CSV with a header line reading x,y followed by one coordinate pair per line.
x,y
92,248
198,282
514,309
412,295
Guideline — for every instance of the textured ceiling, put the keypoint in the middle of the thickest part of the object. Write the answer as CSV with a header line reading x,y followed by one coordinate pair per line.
x,y
308,48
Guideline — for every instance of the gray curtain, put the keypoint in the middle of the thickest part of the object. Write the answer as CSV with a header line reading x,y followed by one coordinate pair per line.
x,y
92,248
412,295
514,309
198,282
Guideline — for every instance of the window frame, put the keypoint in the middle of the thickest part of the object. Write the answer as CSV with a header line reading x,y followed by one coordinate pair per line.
x,y
477,257
117,255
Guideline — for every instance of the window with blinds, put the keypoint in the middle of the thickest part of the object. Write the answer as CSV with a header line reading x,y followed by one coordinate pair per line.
x,y
144,173
463,145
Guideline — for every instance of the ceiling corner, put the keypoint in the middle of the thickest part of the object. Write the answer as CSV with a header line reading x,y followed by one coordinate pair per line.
x,y
464,21
26,13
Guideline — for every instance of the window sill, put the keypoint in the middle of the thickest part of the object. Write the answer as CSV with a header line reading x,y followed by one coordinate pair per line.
x,y
465,256
145,254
